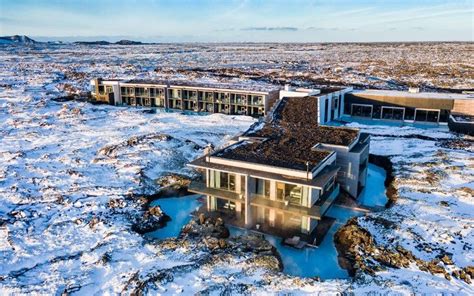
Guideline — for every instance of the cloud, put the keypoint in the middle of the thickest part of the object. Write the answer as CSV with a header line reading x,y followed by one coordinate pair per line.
x,y
323,29
288,29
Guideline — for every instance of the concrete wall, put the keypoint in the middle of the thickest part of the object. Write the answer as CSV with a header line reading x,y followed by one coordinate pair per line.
x,y
348,176
465,107
414,102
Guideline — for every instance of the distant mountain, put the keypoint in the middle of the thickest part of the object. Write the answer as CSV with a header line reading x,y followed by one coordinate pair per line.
x,y
17,39
128,42
102,42
25,40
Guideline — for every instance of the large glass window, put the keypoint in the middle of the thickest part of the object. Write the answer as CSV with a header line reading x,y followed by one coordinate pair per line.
x,y
222,180
432,116
393,113
262,187
225,205
293,194
361,110
426,115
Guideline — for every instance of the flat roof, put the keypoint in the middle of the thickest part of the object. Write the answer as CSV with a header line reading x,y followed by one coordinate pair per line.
x,y
206,85
296,118
275,152
291,139
361,144
407,94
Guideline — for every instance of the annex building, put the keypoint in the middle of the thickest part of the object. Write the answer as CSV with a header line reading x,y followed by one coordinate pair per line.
x,y
223,98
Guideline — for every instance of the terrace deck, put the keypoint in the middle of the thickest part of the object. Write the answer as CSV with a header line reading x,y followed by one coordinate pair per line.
x,y
322,178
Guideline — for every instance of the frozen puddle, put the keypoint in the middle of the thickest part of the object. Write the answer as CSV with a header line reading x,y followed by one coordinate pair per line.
x,y
179,209
309,262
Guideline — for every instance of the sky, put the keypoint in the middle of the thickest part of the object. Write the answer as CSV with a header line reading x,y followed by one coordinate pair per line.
x,y
239,20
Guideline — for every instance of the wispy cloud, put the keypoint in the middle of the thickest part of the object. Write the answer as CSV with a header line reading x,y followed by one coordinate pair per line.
x,y
323,29
291,29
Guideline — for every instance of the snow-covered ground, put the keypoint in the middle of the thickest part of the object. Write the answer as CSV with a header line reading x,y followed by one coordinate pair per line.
x,y
62,163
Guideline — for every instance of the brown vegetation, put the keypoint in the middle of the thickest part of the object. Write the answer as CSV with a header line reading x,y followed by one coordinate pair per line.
x,y
291,137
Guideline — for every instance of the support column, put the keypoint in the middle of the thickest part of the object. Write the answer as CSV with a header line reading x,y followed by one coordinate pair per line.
x,y
248,211
273,190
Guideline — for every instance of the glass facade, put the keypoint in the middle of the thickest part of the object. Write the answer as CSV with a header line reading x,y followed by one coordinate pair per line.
x,y
262,187
222,180
293,194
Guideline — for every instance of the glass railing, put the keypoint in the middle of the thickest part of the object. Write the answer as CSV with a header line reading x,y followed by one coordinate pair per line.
x,y
327,199
202,188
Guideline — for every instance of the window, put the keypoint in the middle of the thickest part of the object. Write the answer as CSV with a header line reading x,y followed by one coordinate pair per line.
x,y
262,187
222,180
326,103
280,191
294,194
361,110
225,205
427,115
393,113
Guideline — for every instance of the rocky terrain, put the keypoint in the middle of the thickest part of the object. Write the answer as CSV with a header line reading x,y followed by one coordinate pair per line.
x,y
75,178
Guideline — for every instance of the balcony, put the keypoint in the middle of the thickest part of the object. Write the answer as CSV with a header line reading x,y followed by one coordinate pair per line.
x,y
316,211
261,201
326,200
201,188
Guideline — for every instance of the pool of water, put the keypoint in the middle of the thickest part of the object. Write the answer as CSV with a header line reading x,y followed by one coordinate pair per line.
x,y
308,262
374,194
311,262
179,209
322,261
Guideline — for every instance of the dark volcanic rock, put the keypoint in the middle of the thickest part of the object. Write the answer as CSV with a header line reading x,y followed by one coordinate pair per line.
x,y
205,227
152,219
358,252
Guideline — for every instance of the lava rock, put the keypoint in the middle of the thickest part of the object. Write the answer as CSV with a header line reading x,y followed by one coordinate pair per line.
x,y
152,219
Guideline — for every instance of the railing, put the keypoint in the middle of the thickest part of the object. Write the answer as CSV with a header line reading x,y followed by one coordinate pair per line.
x,y
201,188
260,200
327,199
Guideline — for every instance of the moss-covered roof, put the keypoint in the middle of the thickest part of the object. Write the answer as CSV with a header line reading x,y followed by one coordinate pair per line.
x,y
290,137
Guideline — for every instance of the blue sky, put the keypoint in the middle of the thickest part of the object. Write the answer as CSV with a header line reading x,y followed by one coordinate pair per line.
x,y
232,20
